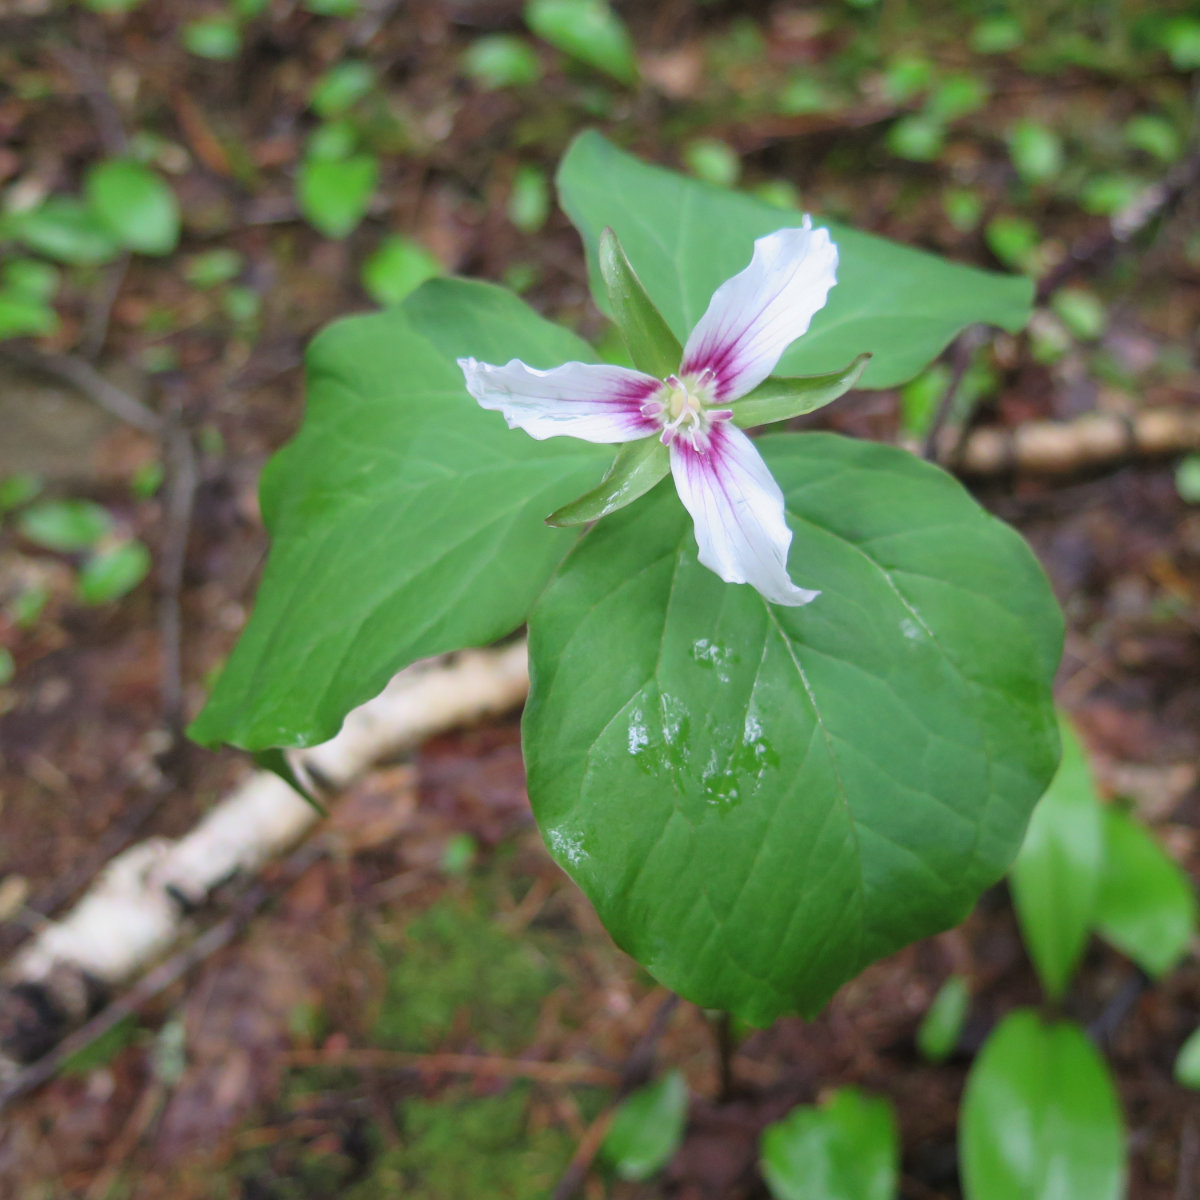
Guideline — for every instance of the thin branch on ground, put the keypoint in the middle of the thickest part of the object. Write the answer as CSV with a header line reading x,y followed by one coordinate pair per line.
x,y
1065,447
638,1068
483,1065
81,375
1159,199
965,346
99,316
226,931
182,479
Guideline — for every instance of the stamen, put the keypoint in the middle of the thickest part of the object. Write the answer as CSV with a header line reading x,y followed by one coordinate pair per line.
x,y
719,414
652,408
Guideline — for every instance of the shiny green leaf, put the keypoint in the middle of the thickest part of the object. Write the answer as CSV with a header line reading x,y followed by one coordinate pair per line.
x,y
1147,905
112,573
64,525
335,193
136,204
759,801
684,238
587,30
648,1128
1055,881
941,1027
1187,1063
405,520
847,1148
1040,1117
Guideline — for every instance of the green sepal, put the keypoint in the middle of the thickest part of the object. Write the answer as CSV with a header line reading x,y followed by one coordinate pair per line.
x,y
782,399
651,344
636,469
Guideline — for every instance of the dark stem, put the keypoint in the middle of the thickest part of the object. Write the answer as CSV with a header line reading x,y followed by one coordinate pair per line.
x,y
726,1043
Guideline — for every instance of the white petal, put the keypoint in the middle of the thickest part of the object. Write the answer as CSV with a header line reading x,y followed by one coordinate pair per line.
x,y
738,511
597,403
753,317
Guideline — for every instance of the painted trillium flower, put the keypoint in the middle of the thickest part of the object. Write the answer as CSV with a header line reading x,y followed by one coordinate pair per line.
x,y
735,503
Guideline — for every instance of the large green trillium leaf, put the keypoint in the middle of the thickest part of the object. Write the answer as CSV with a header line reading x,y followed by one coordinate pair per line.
x,y
761,800
405,520
685,237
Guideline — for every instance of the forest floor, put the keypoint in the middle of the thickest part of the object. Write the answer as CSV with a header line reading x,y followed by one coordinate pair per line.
x,y
316,1055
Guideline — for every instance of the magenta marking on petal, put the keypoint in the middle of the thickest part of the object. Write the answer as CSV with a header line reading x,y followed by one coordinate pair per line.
x,y
719,364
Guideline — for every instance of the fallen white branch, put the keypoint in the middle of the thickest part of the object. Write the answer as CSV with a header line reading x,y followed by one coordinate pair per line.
x,y
137,908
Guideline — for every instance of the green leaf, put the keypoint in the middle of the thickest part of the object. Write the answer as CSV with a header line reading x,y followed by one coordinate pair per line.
x,y
684,238
502,60
529,200
335,193
1187,479
64,525
218,38
587,30
997,34
8,666
18,489
341,88
651,344
112,573
782,399
397,268
847,1148
1110,193
942,1025
213,267
1036,151
760,801
139,209
30,278
957,96
1081,311
23,316
66,230
1187,1063
648,1128
1154,134
1147,905
918,137
1040,1117
405,520
712,160
1056,879
1012,240
637,467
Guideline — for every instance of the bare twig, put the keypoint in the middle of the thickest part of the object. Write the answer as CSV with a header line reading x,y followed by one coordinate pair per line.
x,y
95,91
1064,447
82,376
371,1059
159,979
95,328
182,478
637,1070
722,1025
1157,200
1187,1187
965,346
